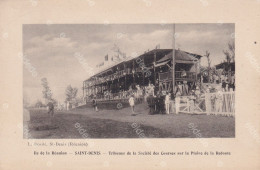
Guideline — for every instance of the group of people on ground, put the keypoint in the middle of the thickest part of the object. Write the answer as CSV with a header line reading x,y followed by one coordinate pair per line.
x,y
227,81
159,104
228,84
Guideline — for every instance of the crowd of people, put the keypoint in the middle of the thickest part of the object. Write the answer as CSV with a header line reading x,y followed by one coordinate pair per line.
x,y
228,84
164,101
227,81
161,102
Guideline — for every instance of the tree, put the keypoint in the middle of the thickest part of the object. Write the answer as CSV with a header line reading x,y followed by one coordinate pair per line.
x,y
47,94
79,99
209,62
71,94
230,57
230,52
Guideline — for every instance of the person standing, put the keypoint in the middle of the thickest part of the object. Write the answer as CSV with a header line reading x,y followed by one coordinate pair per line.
x,y
227,85
177,102
223,85
197,92
94,103
157,103
232,84
167,103
162,103
180,88
208,101
217,79
219,102
150,101
191,103
68,105
50,109
132,104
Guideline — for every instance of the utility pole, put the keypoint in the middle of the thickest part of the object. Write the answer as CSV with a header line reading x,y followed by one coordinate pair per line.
x,y
173,58
154,61
209,62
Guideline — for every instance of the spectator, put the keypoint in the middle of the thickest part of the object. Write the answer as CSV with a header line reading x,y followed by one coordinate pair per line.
x,y
223,85
158,104
232,83
177,102
227,86
94,103
151,104
167,103
219,102
197,92
208,101
217,79
68,105
132,104
222,78
50,109
191,103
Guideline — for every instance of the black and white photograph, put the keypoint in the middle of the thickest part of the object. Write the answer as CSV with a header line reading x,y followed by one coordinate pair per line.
x,y
103,81
133,84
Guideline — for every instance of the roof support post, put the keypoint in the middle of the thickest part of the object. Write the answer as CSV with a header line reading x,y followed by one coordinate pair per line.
x,y
154,62
173,58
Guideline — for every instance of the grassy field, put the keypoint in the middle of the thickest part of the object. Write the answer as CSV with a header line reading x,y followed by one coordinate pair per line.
x,y
119,124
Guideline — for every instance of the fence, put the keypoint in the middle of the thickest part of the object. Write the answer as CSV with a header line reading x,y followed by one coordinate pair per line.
x,y
220,103
190,104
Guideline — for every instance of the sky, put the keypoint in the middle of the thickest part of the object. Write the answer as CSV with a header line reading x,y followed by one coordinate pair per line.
x,y
65,53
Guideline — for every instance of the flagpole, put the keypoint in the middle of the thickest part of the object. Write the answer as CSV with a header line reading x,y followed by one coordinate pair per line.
x,y
173,59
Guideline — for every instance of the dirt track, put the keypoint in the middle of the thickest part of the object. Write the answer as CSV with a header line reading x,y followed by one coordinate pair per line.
x,y
117,124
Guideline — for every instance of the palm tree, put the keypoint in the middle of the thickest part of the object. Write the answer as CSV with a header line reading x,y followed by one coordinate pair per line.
x,y
230,56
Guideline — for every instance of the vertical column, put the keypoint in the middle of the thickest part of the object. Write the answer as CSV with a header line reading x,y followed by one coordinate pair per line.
x,y
154,68
173,58
196,70
134,70
124,73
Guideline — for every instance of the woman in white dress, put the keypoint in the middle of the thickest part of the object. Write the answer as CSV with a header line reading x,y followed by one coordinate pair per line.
x,y
132,104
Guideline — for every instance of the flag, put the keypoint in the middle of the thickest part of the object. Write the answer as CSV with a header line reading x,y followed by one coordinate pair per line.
x,y
117,58
124,55
106,57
